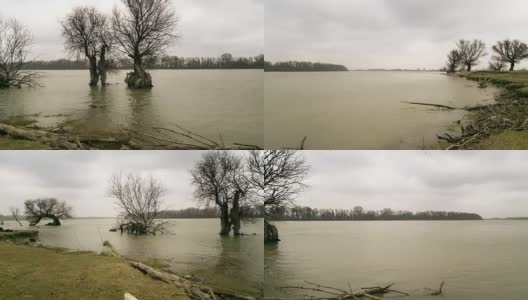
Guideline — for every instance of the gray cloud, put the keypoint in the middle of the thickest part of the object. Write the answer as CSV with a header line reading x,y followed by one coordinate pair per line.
x,y
208,28
386,33
81,178
492,184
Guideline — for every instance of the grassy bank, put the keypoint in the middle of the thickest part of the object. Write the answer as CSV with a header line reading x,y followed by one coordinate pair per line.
x,y
504,124
516,82
30,272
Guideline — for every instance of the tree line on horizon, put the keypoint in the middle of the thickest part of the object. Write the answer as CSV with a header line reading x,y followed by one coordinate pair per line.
x,y
225,61
205,213
467,54
305,213
302,66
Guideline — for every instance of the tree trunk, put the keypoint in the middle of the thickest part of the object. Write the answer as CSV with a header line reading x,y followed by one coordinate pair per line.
x,y
235,213
224,220
94,74
469,67
102,66
139,78
55,222
271,234
512,66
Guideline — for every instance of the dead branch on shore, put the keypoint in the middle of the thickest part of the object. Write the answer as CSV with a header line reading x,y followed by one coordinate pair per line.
x,y
447,107
192,289
509,113
332,293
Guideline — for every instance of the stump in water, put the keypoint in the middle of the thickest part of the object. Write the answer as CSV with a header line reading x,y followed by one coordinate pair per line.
x,y
271,234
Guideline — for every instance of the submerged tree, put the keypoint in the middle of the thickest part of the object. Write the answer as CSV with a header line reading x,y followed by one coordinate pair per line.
x,y
278,177
453,61
511,51
15,41
470,52
145,29
139,199
49,208
86,32
219,179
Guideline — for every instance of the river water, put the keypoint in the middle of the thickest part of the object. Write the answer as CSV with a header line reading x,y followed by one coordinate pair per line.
x,y
192,246
363,110
483,260
213,103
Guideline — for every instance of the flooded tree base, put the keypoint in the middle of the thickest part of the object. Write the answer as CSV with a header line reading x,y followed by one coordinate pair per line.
x,y
139,80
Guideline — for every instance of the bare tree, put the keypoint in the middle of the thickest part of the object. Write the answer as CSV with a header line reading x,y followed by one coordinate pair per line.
x,y
86,31
496,64
15,212
511,51
278,177
145,29
219,180
453,61
471,52
15,41
50,208
139,199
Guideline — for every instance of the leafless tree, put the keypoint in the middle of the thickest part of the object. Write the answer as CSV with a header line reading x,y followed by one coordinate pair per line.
x,y
145,29
140,200
15,42
453,61
278,177
496,64
511,51
50,208
471,52
16,214
87,31
219,179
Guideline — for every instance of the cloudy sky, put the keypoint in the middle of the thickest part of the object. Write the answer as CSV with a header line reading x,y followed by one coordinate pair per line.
x,y
493,184
81,178
387,33
208,28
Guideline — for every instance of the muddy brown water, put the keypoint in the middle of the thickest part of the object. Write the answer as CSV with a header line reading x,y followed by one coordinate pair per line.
x,y
363,110
220,104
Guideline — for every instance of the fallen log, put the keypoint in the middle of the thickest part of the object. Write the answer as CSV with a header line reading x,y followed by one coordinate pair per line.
x,y
193,290
431,104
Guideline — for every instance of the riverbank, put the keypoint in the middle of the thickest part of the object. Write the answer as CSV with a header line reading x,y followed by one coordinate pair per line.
x,y
107,276
22,133
502,125
37,272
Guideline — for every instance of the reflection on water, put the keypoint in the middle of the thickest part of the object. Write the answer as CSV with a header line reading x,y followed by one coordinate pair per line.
x,y
212,103
363,110
477,259
191,247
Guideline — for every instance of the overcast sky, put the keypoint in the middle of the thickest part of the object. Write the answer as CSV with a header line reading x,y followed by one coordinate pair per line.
x,y
81,178
492,184
387,33
208,28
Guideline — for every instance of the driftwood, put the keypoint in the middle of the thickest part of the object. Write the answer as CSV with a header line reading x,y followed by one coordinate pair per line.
x,y
192,289
447,107
332,293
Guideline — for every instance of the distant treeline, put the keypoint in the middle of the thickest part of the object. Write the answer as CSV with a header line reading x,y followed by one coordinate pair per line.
x,y
302,66
299,213
225,61
205,213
